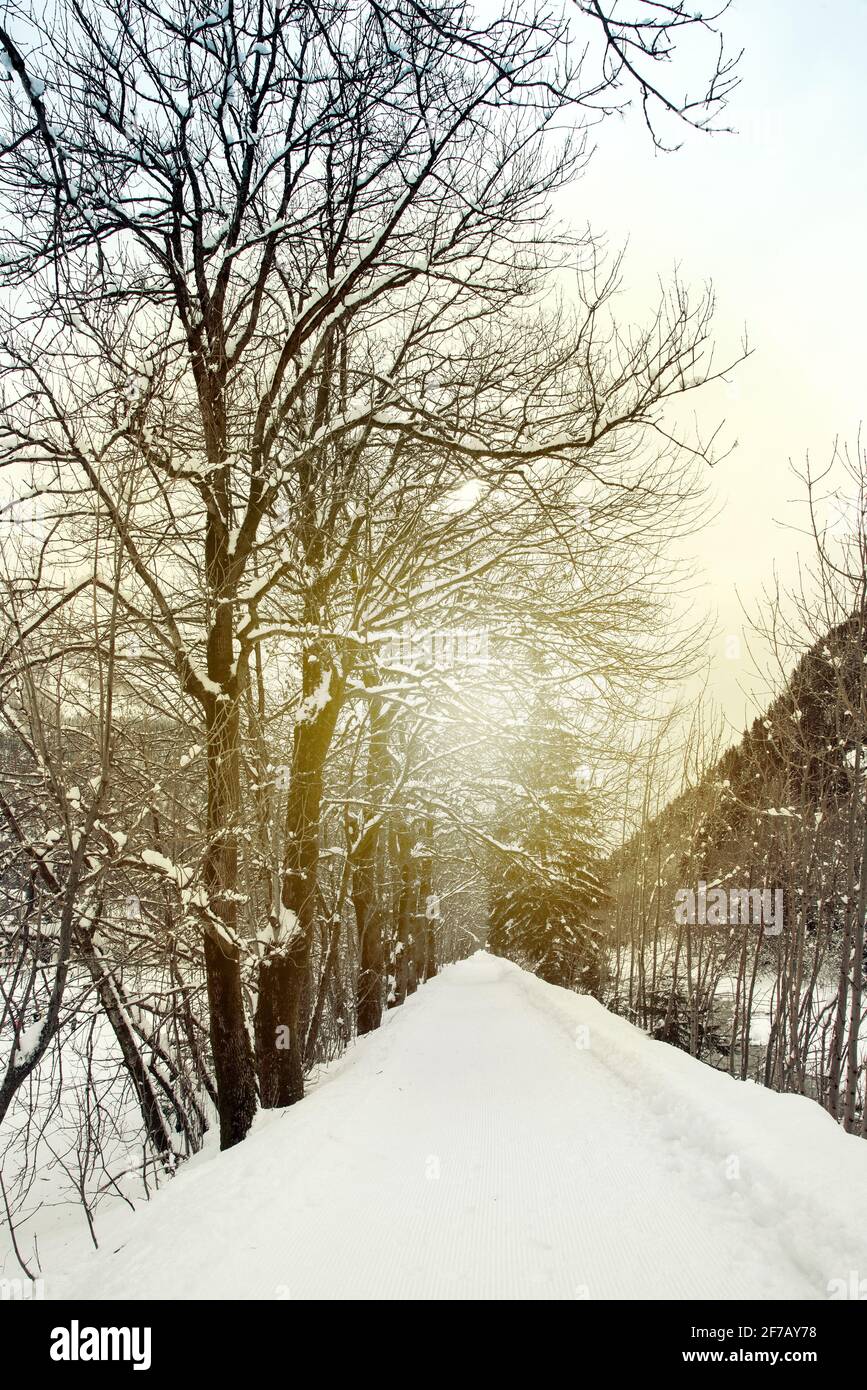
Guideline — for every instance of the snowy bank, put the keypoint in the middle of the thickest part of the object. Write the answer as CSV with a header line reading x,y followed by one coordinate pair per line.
x,y
499,1137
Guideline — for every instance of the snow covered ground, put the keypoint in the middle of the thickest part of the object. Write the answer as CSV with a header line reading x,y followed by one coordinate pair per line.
x,y
502,1138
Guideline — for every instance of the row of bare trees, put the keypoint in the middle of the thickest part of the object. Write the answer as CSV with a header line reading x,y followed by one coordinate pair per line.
x,y
329,467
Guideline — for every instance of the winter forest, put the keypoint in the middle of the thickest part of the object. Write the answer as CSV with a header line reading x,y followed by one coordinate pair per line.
x,y
366,808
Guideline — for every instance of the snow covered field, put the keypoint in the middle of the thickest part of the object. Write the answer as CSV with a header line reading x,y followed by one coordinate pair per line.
x,y
499,1137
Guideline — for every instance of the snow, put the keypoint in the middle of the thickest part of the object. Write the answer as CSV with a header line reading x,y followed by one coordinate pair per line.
x,y
191,755
155,860
41,1175
212,687
501,1138
28,1044
288,929
312,705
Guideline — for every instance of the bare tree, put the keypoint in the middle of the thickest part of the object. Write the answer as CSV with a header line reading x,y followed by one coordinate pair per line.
x,y
241,242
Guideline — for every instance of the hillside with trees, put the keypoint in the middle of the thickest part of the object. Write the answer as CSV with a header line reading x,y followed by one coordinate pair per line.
x,y
782,809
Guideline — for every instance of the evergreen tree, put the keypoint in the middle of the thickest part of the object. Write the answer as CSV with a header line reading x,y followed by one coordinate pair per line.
x,y
544,891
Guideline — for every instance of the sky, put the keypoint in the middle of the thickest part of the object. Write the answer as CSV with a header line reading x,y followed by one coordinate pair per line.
x,y
775,216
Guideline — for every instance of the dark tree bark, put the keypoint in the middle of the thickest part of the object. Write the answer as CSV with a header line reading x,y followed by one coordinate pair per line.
x,y
368,916
326,978
365,881
112,999
232,1052
284,968
404,973
429,923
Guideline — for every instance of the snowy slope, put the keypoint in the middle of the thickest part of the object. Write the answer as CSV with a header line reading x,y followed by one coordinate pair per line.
x,y
502,1138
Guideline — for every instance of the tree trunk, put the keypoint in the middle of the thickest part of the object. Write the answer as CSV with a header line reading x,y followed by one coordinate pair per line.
x,y
365,886
230,1043
111,997
429,923
284,968
331,955
850,1095
405,910
368,917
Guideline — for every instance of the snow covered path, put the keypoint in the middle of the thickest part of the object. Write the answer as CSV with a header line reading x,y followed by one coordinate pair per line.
x,y
502,1138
